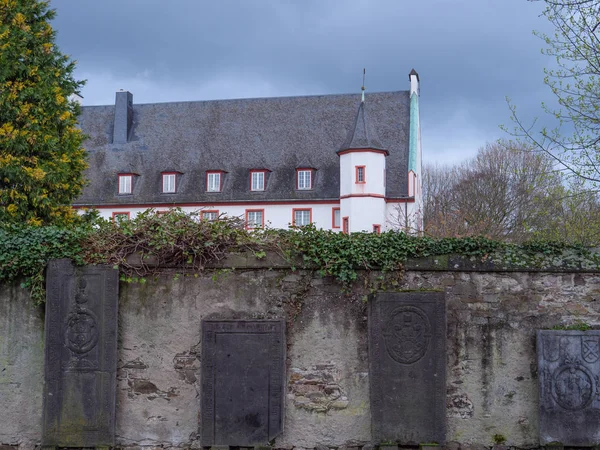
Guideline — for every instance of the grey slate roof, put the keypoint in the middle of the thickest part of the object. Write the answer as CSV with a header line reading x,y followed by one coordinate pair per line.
x,y
362,134
278,134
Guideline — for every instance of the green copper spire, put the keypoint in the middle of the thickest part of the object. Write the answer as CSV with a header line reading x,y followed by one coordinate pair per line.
x,y
414,133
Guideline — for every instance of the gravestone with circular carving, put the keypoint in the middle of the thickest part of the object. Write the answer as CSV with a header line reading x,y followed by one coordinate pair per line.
x,y
568,374
80,355
407,358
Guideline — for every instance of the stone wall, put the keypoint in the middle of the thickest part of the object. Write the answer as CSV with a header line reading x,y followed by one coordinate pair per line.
x,y
491,367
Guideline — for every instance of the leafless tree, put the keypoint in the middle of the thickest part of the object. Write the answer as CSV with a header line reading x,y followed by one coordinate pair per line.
x,y
505,192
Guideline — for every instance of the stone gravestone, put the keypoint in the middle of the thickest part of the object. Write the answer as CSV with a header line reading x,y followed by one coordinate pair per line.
x,y
80,355
243,376
407,359
569,387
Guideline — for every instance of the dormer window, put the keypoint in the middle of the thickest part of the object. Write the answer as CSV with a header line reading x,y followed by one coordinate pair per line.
x,y
169,182
304,179
214,181
258,180
125,183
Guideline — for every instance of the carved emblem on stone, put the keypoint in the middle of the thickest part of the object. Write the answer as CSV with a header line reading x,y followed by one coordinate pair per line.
x,y
407,334
81,332
590,349
573,385
551,348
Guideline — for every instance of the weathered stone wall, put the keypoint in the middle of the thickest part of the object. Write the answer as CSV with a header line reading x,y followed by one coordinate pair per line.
x,y
491,366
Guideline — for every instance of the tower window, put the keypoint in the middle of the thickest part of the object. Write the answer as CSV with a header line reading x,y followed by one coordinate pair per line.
x,y
361,176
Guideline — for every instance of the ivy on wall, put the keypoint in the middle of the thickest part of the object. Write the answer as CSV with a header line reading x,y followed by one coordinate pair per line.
x,y
151,242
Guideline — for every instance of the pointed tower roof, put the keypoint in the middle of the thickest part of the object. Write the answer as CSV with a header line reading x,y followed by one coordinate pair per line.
x,y
362,134
413,72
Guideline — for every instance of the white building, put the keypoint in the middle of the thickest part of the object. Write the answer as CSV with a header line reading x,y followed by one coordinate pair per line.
x,y
341,162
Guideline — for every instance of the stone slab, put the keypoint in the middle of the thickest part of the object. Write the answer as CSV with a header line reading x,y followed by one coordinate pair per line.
x,y
569,387
80,364
243,376
407,359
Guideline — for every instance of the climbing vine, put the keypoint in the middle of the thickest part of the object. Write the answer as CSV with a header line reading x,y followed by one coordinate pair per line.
x,y
143,246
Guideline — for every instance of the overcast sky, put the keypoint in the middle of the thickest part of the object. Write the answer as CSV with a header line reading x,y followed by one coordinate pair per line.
x,y
470,55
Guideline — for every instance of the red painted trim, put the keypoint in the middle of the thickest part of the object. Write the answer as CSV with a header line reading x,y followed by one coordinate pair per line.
x,y
204,204
122,213
301,209
364,170
220,172
362,195
209,211
312,176
361,150
345,225
376,228
400,200
264,172
174,184
333,210
255,210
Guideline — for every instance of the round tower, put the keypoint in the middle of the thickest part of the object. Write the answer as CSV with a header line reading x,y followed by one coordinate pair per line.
x,y
362,177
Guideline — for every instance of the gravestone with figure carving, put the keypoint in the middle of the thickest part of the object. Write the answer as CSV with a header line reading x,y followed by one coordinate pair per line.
x,y
407,358
569,387
80,364
243,376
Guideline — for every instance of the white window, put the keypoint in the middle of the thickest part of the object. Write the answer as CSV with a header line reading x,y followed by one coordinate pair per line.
x,y
125,184
210,215
304,179
254,218
118,216
168,182
336,217
258,181
213,181
301,217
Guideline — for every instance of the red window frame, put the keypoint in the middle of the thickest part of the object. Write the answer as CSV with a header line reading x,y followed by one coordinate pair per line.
x,y
262,225
376,228
364,172
220,172
312,178
264,172
122,213
216,211
411,183
333,225
174,183
123,175
301,209
345,225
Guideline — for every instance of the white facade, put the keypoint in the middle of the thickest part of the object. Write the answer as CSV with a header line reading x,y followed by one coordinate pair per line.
x,y
362,203
363,200
274,216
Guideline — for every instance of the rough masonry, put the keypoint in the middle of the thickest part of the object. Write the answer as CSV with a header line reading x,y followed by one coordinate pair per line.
x,y
492,379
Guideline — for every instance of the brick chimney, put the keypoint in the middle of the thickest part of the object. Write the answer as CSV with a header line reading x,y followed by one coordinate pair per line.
x,y
123,117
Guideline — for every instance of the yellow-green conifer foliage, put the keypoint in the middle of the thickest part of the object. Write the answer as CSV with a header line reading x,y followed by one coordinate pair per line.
x,y
41,155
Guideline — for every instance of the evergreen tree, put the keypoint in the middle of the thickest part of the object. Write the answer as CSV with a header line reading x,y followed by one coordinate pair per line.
x,y
41,155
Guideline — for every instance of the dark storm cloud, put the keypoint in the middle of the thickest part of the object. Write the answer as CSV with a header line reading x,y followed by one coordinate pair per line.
x,y
470,54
